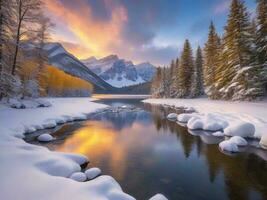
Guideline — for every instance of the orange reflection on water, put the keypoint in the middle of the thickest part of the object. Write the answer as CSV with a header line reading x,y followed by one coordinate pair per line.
x,y
96,139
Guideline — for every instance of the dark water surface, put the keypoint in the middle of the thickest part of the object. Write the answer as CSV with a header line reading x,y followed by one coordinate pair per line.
x,y
148,154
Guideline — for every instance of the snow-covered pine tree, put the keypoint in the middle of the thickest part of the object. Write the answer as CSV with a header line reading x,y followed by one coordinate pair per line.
x,y
197,80
261,39
156,83
174,78
211,61
239,72
185,71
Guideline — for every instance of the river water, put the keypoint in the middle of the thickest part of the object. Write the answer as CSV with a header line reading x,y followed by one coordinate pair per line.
x,y
148,154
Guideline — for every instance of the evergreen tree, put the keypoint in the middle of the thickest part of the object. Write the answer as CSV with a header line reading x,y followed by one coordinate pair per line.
x,y
185,71
212,49
197,82
239,71
156,84
174,78
261,39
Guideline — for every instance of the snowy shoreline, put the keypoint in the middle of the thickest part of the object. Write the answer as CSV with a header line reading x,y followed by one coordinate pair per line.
x,y
228,111
33,172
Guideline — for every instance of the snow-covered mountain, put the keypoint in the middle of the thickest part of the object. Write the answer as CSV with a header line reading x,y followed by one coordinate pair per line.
x,y
119,72
60,58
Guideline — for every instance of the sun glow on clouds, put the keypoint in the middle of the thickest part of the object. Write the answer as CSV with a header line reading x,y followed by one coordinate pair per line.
x,y
94,36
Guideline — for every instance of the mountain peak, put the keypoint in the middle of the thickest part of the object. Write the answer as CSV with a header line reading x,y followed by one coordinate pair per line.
x,y
110,57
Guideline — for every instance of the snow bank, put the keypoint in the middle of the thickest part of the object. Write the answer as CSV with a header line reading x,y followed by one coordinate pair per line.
x,y
42,171
232,112
45,137
158,197
28,103
242,129
229,146
92,173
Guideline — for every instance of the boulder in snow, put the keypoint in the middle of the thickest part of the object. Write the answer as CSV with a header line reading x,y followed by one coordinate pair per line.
x,y
239,141
172,116
78,176
242,129
158,197
45,137
263,141
92,173
229,146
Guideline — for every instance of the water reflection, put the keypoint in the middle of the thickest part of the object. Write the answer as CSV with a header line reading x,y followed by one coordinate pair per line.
x,y
147,154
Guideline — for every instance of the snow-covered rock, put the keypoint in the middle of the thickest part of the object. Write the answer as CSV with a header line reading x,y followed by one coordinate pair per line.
x,y
45,137
158,197
92,173
242,129
239,141
195,123
172,116
229,146
189,109
184,117
263,141
78,176
218,134
208,122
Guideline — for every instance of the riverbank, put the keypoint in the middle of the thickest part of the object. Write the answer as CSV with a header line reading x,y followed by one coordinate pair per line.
x,y
33,172
232,111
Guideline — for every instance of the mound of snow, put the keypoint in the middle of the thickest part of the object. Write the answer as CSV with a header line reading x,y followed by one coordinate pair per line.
x,y
78,176
158,197
208,122
43,103
242,129
172,116
92,173
218,134
185,117
14,103
263,141
189,109
239,141
45,137
195,123
229,146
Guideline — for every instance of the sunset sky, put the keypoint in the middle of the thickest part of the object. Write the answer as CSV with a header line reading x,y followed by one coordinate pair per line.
x,y
137,30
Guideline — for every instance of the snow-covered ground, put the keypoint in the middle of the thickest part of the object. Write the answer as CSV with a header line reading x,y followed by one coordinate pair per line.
x,y
223,113
33,172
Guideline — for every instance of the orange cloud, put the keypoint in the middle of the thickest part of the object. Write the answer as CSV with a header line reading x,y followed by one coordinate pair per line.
x,y
94,36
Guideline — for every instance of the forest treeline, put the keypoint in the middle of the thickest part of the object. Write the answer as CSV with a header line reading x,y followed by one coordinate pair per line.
x,y
232,66
24,70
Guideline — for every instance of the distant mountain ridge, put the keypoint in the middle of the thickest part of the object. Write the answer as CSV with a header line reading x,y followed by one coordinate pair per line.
x,y
119,72
62,59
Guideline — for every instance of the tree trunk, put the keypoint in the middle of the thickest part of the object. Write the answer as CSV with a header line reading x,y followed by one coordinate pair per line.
x,y
17,41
